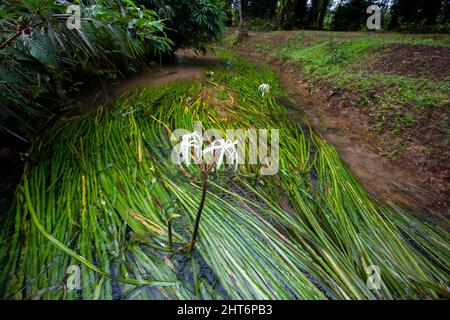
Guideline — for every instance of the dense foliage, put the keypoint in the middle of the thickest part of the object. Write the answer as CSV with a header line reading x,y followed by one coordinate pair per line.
x,y
408,15
228,13
421,15
351,15
195,24
259,9
42,59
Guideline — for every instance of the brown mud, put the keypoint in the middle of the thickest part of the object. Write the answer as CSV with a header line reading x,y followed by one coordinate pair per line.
x,y
414,61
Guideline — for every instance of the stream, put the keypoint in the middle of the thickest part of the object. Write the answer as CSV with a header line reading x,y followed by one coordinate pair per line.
x,y
202,272
382,178
385,180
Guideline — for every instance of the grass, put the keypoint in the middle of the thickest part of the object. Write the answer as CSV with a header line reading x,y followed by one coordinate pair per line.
x,y
339,60
100,188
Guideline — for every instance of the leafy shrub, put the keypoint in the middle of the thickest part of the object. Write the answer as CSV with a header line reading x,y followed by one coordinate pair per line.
x,y
194,24
41,58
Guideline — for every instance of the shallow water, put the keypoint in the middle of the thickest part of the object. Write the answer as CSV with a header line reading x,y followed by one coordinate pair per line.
x,y
186,65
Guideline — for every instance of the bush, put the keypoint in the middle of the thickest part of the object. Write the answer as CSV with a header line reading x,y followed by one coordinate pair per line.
x,y
41,57
192,24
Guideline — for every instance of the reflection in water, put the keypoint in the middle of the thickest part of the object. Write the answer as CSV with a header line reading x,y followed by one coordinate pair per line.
x,y
186,65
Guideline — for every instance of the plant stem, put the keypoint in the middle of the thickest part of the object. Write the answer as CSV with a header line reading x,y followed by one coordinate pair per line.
x,y
199,212
14,36
170,234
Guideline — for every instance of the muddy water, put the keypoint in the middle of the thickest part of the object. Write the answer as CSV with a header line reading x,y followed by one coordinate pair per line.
x,y
186,65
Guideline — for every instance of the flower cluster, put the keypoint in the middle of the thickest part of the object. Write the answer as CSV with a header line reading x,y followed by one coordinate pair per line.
x,y
264,88
192,149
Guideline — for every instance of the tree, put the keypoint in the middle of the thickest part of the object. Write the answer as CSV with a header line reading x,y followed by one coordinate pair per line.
x,y
430,11
285,17
323,7
415,14
292,13
446,12
402,12
313,13
301,11
263,9
351,16
193,24
227,8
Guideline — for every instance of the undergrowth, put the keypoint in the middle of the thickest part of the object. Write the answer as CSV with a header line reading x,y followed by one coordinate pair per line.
x,y
396,105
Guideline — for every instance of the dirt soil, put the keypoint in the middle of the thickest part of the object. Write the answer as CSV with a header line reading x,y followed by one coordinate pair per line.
x,y
401,181
414,61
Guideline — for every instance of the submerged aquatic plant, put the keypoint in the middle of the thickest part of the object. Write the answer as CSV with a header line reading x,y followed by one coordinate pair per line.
x,y
191,147
310,232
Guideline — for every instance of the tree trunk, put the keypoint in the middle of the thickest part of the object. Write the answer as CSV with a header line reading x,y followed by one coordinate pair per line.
x,y
290,11
241,19
242,32
313,14
322,13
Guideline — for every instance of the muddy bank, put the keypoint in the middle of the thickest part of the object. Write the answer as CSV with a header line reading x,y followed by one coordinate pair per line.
x,y
386,179
414,61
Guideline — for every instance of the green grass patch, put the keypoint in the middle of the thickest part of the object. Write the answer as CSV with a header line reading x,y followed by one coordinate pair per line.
x,y
340,60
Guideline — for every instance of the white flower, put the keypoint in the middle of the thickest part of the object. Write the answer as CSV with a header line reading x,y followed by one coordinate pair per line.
x,y
264,88
210,73
191,140
223,148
